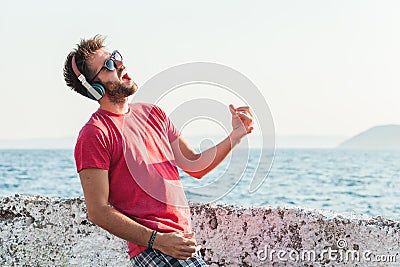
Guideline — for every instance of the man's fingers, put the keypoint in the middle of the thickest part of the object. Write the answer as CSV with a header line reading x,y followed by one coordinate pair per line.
x,y
188,249
232,109
244,115
189,242
245,110
189,235
186,255
186,252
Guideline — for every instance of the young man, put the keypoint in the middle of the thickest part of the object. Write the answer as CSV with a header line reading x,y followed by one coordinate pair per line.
x,y
126,156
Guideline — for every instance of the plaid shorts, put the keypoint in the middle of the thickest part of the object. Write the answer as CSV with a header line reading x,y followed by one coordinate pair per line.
x,y
152,257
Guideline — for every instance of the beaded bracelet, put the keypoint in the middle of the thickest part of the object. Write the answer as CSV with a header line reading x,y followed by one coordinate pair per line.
x,y
152,237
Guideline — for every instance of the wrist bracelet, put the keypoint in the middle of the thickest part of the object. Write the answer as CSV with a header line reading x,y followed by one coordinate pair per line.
x,y
152,237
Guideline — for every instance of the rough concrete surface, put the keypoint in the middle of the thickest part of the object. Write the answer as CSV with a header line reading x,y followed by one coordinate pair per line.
x,y
41,231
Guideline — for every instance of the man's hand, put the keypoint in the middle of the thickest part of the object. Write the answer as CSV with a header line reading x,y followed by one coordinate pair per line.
x,y
242,122
178,245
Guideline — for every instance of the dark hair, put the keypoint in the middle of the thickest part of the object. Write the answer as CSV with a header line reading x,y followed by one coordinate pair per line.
x,y
84,50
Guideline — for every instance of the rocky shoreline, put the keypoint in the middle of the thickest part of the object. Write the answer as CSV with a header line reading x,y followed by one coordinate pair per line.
x,y
42,231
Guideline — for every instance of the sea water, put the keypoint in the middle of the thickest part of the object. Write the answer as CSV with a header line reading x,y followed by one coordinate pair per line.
x,y
364,182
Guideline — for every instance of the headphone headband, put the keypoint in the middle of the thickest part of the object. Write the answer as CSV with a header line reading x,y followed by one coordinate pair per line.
x,y
82,79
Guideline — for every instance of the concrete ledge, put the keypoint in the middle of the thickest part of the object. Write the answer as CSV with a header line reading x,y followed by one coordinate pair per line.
x,y
40,231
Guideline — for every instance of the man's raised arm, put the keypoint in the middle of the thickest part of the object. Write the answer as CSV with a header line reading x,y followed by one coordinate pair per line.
x,y
199,164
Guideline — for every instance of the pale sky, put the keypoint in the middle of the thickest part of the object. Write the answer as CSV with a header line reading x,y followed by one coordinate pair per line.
x,y
328,68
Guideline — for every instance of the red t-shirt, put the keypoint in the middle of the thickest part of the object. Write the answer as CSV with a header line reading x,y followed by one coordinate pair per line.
x,y
144,182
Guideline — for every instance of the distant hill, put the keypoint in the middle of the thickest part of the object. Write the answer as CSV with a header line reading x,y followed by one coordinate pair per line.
x,y
379,137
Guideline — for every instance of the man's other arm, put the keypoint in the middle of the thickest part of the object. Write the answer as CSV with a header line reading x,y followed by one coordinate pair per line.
x,y
96,190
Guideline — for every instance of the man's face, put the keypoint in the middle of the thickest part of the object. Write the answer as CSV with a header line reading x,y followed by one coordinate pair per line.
x,y
117,83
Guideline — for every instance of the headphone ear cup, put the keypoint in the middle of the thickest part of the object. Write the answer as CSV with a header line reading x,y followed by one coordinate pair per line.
x,y
99,88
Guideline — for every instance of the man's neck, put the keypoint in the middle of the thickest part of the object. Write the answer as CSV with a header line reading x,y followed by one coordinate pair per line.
x,y
117,108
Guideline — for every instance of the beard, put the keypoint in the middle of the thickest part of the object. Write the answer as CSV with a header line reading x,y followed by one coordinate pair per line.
x,y
118,91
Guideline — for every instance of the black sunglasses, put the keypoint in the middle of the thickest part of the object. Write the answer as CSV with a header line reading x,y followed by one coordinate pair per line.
x,y
109,63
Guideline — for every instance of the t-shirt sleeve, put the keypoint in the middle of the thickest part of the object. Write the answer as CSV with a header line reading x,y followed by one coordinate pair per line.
x,y
172,132
170,128
91,149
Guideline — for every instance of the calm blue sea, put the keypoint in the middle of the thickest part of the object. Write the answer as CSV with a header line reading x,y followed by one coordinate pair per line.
x,y
364,182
